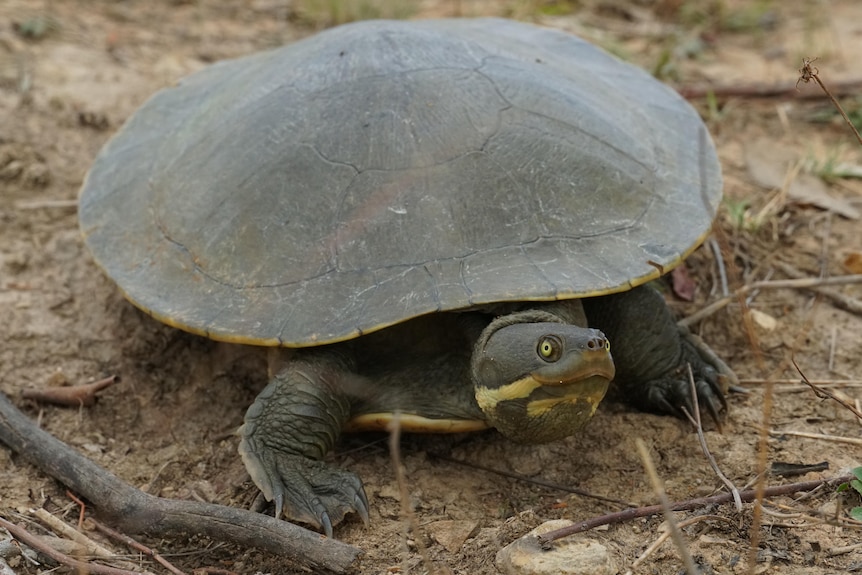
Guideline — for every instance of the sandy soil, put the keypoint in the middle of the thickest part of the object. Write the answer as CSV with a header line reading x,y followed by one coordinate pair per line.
x,y
168,425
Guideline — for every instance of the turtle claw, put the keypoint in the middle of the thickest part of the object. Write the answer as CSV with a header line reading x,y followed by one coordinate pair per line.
x,y
710,396
304,489
673,393
662,405
360,505
714,413
318,494
279,504
326,524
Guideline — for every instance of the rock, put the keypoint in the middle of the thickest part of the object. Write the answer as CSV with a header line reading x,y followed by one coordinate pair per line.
x,y
763,319
574,555
452,534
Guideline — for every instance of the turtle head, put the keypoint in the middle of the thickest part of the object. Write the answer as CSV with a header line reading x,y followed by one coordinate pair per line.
x,y
537,379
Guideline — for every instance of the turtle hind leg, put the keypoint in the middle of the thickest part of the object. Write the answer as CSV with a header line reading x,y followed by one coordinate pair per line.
x,y
652,355
289,428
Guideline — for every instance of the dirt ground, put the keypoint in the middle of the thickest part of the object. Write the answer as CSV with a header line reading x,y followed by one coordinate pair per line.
x,y
72,71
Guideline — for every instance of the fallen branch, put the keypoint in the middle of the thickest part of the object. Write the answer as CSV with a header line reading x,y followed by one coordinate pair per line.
x,y
134,511
698,503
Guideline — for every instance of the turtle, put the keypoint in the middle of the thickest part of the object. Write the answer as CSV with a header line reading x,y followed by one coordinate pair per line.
x,y
449,223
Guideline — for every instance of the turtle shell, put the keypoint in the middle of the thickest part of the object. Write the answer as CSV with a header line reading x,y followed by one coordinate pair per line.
x,y
383,170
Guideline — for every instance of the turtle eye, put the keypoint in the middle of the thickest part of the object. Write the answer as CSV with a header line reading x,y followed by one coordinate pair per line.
x,y
550,348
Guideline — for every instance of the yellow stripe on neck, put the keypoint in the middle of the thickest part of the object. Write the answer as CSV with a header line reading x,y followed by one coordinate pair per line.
x,y
488,397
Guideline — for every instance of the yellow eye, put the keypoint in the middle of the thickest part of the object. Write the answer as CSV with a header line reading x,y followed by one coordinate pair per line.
x,y
549,348
608,344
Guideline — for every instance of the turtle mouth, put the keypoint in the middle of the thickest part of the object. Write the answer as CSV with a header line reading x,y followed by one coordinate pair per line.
x,y
570,385
567,378
584,386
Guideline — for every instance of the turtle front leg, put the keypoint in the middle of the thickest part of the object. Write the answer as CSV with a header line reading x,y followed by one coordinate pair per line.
x,y
652,354
288,430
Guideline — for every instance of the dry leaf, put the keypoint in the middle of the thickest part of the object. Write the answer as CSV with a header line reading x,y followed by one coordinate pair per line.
x,y
681,283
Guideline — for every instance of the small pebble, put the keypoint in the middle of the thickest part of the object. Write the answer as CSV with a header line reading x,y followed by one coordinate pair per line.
x,y
573,555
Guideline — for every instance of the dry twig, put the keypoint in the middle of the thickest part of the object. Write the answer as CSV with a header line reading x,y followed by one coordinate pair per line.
x,y
81,506
781,90
636,512
822,436
788,384
840,300
31,540
670,520
663,537
43,204
823,393
71,395
92,547
534,481
719,264
797,283
807,73
136,545
404,493
760,477
842,550
695,421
